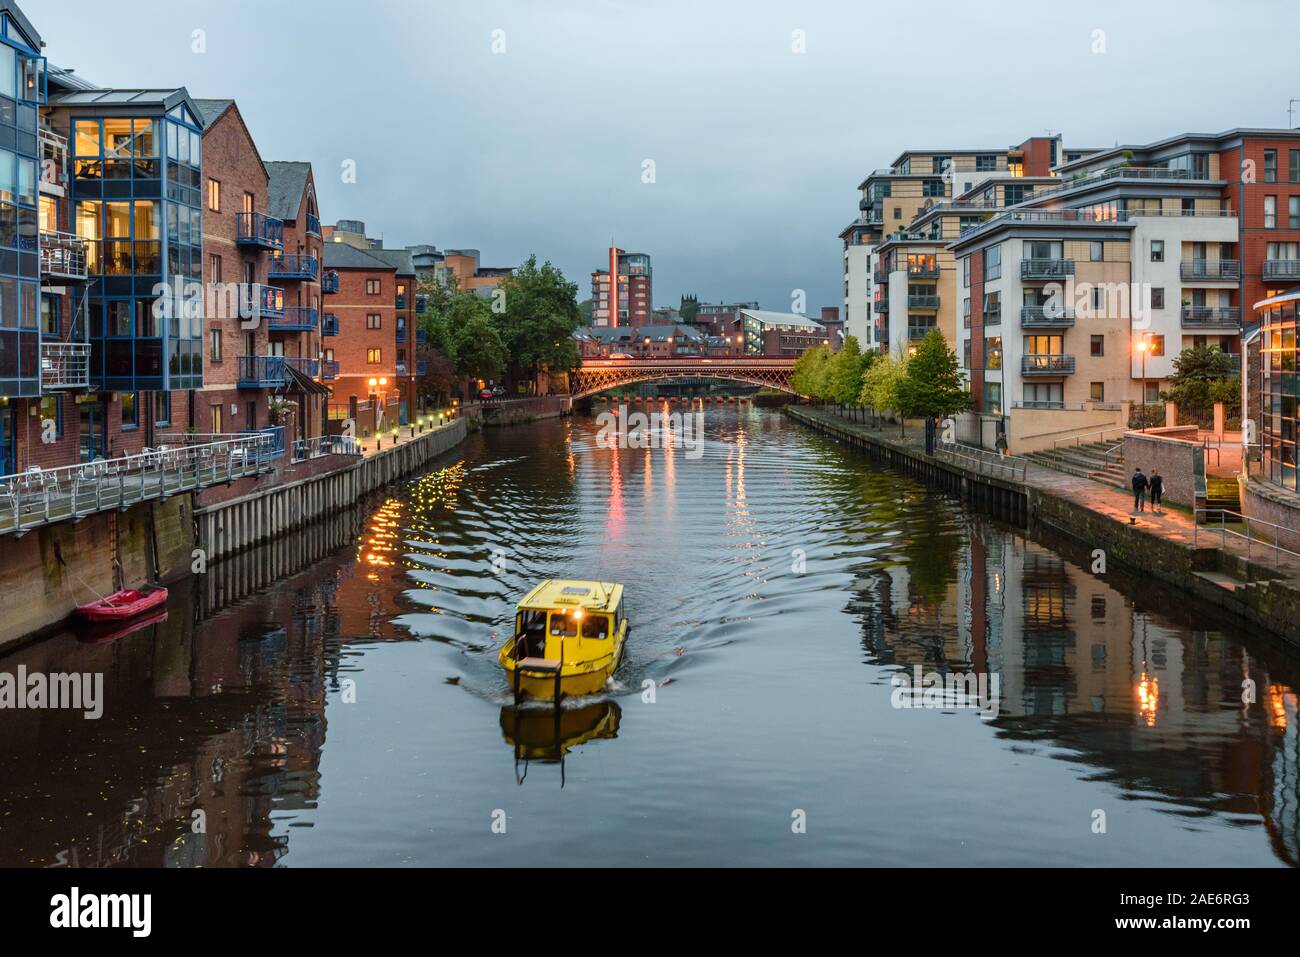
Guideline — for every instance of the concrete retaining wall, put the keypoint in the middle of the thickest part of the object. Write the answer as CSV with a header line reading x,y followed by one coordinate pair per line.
x,y
1180,463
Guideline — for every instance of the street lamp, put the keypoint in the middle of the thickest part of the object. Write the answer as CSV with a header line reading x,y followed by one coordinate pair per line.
x,y
1143,346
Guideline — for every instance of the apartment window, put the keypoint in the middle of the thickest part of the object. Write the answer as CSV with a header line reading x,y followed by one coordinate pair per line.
x,y
1188,206
940,164
216,412
1097,346
250,413
373,320
1270,166
373,357
986,162
1097,391
992,263
1155,345
932,187
52,410
965,272
1270,212
50,315
1157,297
992,308
214,345
248,202
1293,212
162,408
993,398
1151,393
1044,394
898,212
965,353
1097,251
130,410
1157,250
1016,193
214,268
1294,162
372,287
992,352
214,195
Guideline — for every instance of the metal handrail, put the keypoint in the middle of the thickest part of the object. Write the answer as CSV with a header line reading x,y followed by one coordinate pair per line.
x,y
996,462
1100,433
1224,532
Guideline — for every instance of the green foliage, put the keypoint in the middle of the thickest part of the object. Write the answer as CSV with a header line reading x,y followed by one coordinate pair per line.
x,y
809,374
1203,376
539,319
584,312
844,375
881,380
932,386
476,348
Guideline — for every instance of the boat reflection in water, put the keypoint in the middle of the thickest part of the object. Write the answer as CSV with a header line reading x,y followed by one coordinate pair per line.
x,y
546,734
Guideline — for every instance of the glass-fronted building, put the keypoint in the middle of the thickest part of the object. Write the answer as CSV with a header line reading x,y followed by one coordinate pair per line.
x,y
1279,386
22,93
136,191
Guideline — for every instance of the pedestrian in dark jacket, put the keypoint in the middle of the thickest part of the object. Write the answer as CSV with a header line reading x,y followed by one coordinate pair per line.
x,y
1157,485
1140,484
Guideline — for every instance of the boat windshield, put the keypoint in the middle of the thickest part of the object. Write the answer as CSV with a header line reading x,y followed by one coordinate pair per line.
x,y
563,625
595,626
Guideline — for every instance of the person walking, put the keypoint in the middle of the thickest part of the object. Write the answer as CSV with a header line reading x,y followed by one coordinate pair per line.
x,y
1140,484
1157,486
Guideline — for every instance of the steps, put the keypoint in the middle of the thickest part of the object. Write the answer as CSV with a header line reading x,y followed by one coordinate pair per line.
x,y
1222,492
1090,460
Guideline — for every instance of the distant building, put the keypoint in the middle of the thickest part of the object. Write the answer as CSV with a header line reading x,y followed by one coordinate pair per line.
x,y
628,300
720,319
673,339
766,333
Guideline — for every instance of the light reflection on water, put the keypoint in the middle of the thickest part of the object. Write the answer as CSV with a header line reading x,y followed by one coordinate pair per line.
x,y
355,714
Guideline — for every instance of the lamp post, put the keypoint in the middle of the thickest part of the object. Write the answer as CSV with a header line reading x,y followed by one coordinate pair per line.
x,y
1142,348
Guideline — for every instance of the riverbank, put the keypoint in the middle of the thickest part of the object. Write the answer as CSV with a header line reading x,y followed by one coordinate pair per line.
x,y
52,569
1222,570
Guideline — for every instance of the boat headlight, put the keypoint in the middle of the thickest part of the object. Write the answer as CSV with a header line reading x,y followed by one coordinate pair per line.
x,y
577,613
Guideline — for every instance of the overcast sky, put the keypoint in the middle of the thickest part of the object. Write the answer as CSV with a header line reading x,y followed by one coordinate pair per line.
x,y
757,149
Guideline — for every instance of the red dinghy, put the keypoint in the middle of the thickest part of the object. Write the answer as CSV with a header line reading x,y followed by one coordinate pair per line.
x,y
124,604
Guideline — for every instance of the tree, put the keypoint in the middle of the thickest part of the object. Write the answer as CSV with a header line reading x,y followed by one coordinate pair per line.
x,y
809,374
1203,376
476,348
539,318
584,312
880,382
845,375
932,387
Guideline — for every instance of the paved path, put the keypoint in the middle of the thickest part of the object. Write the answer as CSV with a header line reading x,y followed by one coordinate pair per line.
x,y
1174,524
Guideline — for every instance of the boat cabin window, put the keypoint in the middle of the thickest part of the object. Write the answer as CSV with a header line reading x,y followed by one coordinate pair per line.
x,y
563,625
595,626
531,627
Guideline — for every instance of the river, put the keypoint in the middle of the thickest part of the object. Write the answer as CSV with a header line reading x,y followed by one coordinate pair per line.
x,y
334,698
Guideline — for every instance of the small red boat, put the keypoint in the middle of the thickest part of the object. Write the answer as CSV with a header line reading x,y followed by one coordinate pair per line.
x,y
124,604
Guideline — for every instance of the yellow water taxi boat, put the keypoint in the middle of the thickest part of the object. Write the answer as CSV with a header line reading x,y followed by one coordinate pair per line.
x,y
568,639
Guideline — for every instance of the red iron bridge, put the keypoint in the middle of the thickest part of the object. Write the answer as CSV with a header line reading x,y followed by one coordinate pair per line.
x,y
598,375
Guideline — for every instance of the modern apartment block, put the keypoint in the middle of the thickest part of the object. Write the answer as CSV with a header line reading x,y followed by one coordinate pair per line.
x,y
893,197
460,265
623,294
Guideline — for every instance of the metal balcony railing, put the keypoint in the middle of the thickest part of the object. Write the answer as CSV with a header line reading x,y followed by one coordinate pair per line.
x,y
63,257
399,302
922,301
259,229
258,301
422,367
1211,316
1052,268
269,372
421,337
329,369
401,333
920,331
295,319
401,368
329,324
1032,317
1282,268
923,270
329,283
313,224
293,266
1053,365
882,306
269,442
1211,269
64,365
880,277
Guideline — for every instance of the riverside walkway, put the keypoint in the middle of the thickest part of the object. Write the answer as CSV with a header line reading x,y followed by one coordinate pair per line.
x,y
1175,525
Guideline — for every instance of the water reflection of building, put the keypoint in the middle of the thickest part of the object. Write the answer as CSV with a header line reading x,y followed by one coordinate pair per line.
x,y
1153,701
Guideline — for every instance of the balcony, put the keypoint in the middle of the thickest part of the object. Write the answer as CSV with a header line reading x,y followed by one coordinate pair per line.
x,y
1043,317
399,302
293,266
261,372
1210,270
421,337
65,365
257,301
923,270
267,444
329,370
63,257
329,283
421,302
259,230
920,330
923,301
882,306
422,367
1047,365
1208,317
401,333
1046,268
401,369
313,224
1282,269
295,319
329,324
880,277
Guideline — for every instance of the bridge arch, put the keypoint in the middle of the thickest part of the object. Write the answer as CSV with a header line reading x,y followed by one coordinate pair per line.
x,y
600,375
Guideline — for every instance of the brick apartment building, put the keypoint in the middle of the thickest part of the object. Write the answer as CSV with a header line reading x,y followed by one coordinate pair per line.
x,y
627,299
364,304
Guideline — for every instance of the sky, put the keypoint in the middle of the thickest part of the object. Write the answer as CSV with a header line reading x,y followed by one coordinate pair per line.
x,y
725,139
